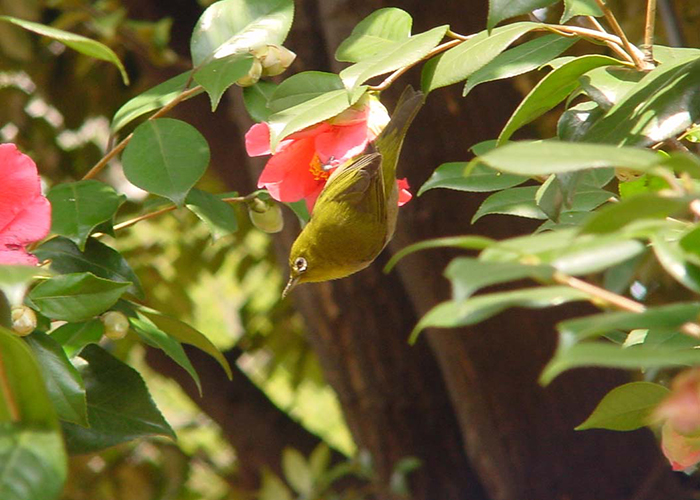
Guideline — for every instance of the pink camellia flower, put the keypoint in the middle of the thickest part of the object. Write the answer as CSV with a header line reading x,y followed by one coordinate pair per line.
x,y
303,161
681,451
25,214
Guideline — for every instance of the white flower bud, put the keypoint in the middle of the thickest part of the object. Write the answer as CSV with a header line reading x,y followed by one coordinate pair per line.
x,y
266,216
253,74
276,60
23,320
116,325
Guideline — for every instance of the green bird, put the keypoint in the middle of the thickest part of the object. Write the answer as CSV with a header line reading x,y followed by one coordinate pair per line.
x,y
355,214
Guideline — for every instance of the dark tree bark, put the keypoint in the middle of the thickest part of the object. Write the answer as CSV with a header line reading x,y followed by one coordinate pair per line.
x,y
467,401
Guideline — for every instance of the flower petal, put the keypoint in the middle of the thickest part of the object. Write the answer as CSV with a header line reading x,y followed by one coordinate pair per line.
x,y
30,225
341,143
287,176
313,196
20,183
15,257
681,451
257,140
404,194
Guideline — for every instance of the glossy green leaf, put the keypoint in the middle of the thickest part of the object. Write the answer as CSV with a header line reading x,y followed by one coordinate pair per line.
x,y
550,157
78,43
474,310
155,337
469,275
460,62
218,75
671,316
76,297
575,121
551,90
580,8
33,463
63,382
663,104
150,100
297,472
303,87
643,206
592,255
310,112
674,260
186,334
626,408
609,355
256,99
78,207
120,408
219,216
500,10
396,56
97,258
74,336
543,246
376,33
166,157
481,178
465,242
608,85
521,59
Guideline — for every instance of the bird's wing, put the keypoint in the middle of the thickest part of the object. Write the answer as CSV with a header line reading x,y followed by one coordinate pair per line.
x,y
351,182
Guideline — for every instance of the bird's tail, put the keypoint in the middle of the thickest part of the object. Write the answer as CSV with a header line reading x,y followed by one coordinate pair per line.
x,y
391,139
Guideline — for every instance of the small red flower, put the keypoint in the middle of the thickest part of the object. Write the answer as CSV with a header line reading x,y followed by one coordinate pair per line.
x,y
303,161
25,214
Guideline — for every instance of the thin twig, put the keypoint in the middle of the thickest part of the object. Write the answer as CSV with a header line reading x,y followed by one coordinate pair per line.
x,y
603,36
648,46
100,165
170,208
638,61
601,295
451,34
615,47
396,74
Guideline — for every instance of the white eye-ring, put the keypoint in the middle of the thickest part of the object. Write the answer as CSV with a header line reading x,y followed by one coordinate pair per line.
x,y
300,264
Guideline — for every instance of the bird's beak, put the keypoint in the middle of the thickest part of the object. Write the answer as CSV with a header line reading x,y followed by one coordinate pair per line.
x,y
293,280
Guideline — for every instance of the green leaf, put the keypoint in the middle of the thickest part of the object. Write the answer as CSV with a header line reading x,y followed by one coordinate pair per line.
x,y
551,156
674,260
219,216
551,90
376,33
166,157
297,472
591,255
642,206
76,297
460,62
120,408
398,55
155,337
97,258
481,178
663,104
319,461
227,32
152,99
273,488
74,336
608,85
575,121
78,207
580,8
474,310
500,10
626,408
469,275
671,316
78,43
466,242
612,356
525,57
256,99
63,382
187,335
32,457
318,109
544,247
303,87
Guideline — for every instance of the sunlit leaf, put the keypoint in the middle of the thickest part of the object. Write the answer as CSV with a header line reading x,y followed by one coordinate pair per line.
x,y
479,179
465,242
500,10
376,33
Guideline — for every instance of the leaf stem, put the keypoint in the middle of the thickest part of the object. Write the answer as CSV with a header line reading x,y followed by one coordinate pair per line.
x,y
639,62
648,45
100,165
615,47
601,295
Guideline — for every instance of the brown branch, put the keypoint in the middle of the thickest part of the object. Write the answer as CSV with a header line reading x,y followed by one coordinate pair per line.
x,y
631,49
615,47
100,165
648,46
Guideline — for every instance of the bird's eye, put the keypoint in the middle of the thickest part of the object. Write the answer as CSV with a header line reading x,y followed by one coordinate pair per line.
x,y
300,264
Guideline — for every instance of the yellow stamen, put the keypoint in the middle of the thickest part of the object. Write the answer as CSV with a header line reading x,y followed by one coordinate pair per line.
x,y
316,169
